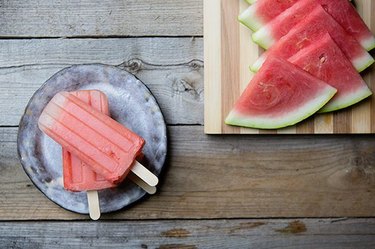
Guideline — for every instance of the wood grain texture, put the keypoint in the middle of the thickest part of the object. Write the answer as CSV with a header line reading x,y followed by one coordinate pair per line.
x,y
230,59
235,60
212,53
206,176
171,67
227,177
192,234
98,18
323,124
248,49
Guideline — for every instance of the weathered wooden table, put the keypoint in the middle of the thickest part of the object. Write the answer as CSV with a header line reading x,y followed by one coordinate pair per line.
x,y
217,191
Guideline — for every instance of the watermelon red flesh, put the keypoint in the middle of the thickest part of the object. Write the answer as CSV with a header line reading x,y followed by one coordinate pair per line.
x,y
311,29
270,33
281,94
341,10
261,12
347,16
326,61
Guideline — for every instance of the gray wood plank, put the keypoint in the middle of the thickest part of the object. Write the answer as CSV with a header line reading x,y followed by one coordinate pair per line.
x,y
190,234
227,177
171,67
55,18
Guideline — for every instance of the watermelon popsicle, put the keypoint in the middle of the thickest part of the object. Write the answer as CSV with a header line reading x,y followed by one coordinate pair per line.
x,y
102,143
77,175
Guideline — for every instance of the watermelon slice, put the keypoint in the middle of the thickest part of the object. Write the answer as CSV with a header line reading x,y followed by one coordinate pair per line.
x,y
326,61
311,29
280,95
341,10
262,12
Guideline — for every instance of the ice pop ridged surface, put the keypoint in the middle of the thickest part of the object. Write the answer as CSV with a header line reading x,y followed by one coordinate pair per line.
x,y
78,176
130,103
107,146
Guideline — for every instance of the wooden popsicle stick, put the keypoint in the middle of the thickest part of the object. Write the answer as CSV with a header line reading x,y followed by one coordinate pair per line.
x,y
93,200
143,185
143,173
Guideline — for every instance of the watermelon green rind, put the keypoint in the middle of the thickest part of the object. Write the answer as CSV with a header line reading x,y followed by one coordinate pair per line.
x,y
363,62
263,37
303,112
348,100
251,1
250,19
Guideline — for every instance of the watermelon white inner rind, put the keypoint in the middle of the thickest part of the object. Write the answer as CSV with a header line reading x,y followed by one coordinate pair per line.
x,y
368,43
347,100
258,63
250,19
363,62
263,37
293,116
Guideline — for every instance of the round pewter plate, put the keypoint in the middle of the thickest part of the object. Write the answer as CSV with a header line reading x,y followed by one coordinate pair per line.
x,y
130,103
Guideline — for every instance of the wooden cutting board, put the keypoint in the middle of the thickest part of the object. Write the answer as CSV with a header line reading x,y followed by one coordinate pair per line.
x,y
229,51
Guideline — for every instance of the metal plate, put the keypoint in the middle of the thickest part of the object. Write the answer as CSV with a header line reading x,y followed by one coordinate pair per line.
x,y
130,102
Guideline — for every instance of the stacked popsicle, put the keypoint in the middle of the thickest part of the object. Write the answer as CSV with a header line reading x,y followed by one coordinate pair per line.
x,y
98,152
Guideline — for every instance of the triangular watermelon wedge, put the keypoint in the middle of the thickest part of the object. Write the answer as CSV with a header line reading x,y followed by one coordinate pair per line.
x,y
326,61
311,29
280,95
261,12
341,10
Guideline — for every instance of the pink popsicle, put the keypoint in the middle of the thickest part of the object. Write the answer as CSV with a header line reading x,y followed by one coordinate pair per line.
x,y
105,145
78,176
